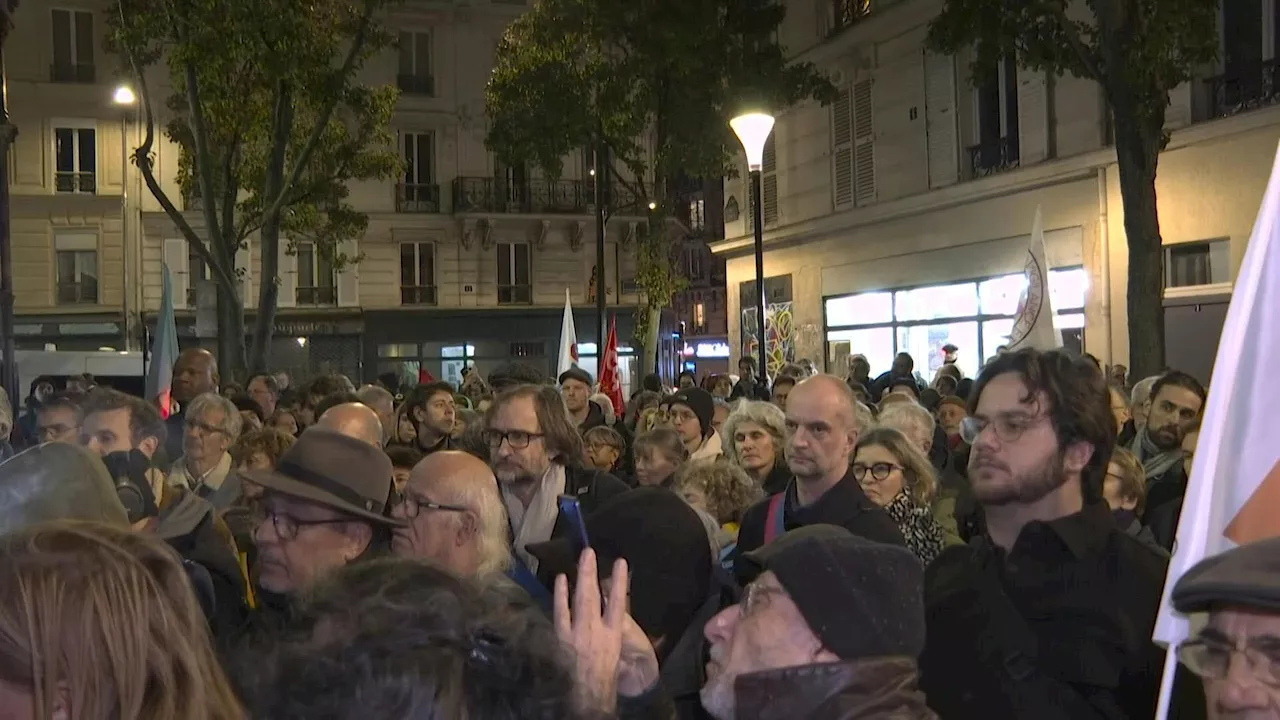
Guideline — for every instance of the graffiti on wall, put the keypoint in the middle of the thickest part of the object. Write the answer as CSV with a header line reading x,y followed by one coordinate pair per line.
x,y
780,338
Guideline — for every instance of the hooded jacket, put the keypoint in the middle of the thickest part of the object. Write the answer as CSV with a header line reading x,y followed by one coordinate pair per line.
x,y
190,526
873,689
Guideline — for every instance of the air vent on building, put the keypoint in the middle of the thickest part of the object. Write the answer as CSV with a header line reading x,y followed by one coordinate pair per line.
x,y
468,288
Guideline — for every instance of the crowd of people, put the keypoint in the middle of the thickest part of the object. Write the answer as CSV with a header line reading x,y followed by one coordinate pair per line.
x,y
803,546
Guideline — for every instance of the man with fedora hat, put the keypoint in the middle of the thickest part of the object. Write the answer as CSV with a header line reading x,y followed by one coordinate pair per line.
x,y
326,505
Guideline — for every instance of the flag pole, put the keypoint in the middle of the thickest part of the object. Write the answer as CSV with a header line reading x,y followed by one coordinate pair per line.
x,y
1166,682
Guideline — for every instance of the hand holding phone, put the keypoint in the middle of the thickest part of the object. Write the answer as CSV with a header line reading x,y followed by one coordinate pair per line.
x,y
572,513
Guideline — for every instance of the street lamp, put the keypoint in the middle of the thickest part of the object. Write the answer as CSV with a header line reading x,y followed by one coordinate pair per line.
x,y
752,129
124,98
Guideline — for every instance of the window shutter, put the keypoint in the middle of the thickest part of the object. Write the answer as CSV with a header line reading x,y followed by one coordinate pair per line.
x,y
842,148
244,264
287,295
864,157
175,256
348,279
940,119
1033,117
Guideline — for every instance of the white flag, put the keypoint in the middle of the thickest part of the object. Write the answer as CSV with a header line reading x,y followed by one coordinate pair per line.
x,y
1234,490
568,339
1033,328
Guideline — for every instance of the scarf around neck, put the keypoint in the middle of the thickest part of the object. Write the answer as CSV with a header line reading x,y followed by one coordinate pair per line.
x,y
1155,462
535,523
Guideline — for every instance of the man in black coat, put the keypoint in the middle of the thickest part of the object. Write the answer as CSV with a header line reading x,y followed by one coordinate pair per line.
x,y
824,429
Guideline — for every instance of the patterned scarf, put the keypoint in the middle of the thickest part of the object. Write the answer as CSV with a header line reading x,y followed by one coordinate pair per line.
x,y
1155,462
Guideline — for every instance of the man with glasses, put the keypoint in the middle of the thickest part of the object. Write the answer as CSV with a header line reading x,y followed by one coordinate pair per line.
x,y
59,419
454,516
1048,613
325,506
536,454
1237,651
691,411
211,426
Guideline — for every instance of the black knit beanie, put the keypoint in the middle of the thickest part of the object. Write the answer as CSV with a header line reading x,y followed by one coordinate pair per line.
x,y
700,402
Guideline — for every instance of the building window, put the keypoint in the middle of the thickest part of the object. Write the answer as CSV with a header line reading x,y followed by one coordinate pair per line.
x,y
996,117
514,287
976,316
77,267
417,273
317,282
75,154
197,270
699,317
698,215
419,191
1198,263
415,76
72,47
1248,38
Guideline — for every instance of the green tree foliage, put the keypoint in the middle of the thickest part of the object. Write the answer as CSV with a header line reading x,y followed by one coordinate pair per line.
x,y
1137,51
272,124
655,83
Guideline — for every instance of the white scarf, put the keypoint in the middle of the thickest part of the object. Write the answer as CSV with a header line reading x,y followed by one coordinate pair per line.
x,y
535,523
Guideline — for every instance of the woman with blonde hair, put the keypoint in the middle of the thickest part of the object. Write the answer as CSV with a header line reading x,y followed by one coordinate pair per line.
x,y
898,477
97,623
754,437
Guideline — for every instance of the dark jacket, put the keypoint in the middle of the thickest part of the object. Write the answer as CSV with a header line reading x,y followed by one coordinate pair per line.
x,y
1060,627
174,426
844,504
875,689
595,417
445,443
592,488
190,526
778,478
684,669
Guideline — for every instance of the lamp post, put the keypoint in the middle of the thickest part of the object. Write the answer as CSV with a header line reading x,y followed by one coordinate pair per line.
x,y
124,99
8,361
752,129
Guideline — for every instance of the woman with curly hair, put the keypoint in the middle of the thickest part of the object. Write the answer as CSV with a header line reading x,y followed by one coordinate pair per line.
x,y
754,438
719,488
98,623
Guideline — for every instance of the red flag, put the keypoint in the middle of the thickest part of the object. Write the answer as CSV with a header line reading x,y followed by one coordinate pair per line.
x,y
610,384
424,377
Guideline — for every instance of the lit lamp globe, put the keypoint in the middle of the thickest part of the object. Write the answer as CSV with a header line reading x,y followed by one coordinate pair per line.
x,y
753,130
123,96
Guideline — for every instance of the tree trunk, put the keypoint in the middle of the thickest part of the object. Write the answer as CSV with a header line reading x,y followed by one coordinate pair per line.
x,y
268,292
649,356
231,361
1138,144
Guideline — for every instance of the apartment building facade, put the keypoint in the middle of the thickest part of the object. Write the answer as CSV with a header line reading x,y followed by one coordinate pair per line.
x,y
465,261
897,218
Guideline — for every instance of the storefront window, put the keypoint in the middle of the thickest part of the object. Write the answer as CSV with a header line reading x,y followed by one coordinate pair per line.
x,y
933,303
875,343
925,342
865,309
1000,295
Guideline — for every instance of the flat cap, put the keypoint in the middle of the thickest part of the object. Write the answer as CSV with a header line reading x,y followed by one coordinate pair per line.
x,y
57,481
1246,576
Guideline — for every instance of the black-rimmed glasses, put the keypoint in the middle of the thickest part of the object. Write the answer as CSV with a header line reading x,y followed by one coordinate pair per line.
x,y
517,439
879,471
287,527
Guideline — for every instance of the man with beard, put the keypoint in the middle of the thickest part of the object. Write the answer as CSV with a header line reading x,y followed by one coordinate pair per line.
x,y
1049,613
1177,400
536,454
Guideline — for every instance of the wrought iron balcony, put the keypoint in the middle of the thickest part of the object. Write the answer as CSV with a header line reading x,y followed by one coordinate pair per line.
x,y
79,73
993,157
75,182
538,197
417,295
417,198
417,84
1245,87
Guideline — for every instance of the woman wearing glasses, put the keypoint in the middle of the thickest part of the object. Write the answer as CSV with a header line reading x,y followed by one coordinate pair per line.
x,y
899,478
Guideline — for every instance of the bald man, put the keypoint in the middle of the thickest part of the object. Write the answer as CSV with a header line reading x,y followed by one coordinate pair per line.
x,y
822,431
355,420
194,374
383,403
455,516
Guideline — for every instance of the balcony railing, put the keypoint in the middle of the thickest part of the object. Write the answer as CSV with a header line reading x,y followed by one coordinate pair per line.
x,y
317,295
417,295
75,182
1245,87
84,292
417,84
80,73
417,198
993,157
515,294
535,197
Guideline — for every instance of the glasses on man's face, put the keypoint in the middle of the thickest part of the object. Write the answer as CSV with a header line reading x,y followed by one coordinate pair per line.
x,y
517,439
203,428
287,526
1008,427
414,504
682,416
1210,657
879,472
755,594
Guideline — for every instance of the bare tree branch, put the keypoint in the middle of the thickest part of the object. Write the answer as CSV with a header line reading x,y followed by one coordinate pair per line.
x,y
1077,44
